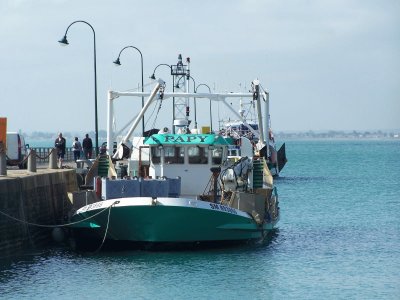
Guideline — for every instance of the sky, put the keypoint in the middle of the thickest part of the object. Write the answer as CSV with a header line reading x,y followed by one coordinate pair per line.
x,y
327,65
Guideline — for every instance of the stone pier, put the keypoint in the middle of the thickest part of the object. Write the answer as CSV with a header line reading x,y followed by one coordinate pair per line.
x,y
38,198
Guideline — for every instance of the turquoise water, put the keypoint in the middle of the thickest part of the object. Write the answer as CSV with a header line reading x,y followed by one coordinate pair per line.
x,y
338,238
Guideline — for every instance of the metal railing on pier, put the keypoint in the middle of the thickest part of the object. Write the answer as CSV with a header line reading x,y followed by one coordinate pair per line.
x,y
44,153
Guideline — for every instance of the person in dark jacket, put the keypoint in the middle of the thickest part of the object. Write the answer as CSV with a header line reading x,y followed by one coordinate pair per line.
x,y
59,144
87,146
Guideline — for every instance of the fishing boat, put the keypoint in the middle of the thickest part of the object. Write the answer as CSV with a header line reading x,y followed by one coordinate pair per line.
x,y
194,193
247,126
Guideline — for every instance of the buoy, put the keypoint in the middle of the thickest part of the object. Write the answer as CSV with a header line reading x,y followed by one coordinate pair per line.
x,y
58,234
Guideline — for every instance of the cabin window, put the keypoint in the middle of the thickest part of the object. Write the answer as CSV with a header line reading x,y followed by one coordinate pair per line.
x,y
233,152
174,155
198,155
216,156
155,155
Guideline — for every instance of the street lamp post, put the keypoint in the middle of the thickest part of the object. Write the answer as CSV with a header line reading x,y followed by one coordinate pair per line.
x,y
64,41
153,76
179,80
118,63
209,89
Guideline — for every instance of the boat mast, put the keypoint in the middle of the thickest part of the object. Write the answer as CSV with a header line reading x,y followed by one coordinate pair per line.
x,y
181,104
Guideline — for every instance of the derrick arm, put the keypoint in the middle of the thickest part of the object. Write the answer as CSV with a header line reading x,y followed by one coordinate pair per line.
x,y
119,154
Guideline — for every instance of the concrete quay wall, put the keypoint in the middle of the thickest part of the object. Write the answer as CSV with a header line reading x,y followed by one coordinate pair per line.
x,y
39,198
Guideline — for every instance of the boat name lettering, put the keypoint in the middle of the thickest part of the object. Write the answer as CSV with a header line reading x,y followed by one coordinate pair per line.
x,y
94,205
223,208
184,139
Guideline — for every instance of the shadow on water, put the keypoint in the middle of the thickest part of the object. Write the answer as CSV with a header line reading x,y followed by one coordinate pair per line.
x,y
33,259
116,248
50,260
185,258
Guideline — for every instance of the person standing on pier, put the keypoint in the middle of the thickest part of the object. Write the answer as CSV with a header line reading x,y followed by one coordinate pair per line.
x,y
60,146
76,148
87,147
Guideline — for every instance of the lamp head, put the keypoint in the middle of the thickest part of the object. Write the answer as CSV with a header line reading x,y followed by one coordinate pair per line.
x,y
117,62
153,76
63,41
177,86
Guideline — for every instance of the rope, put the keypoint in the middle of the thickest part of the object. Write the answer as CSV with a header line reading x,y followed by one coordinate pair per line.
x,y
160,100
159,107
152,113
61,225
30,152
245,176
106,231
73,223
151,83
45,157
22,161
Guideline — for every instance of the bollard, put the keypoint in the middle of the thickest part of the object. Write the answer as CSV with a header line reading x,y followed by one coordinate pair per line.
x,y
32,161
53,159
3,163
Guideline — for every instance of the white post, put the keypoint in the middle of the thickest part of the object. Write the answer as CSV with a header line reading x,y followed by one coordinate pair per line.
x,y
53,159
162,161
267,121
32,161
110,113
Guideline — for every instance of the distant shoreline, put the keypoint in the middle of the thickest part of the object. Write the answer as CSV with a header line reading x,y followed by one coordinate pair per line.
x,y
46,139
283,139
340,135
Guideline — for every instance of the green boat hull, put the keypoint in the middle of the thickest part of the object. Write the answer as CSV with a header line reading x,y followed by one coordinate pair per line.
x,y
169,220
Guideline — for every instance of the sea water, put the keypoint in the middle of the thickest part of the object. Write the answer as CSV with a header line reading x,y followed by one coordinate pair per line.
x,y
338,238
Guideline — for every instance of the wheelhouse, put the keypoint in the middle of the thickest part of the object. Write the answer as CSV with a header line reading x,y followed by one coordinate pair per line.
x,y
192,149
190,156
